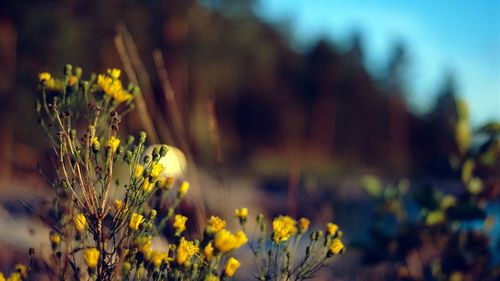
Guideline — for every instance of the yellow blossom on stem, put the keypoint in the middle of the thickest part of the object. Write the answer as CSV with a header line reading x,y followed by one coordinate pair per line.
x,y
138,169
144,244
232,265
91,257
208,251
179,224
283,228
44,76
135,221
72,81
303,225
241,213
157,169
211,277
118,204
183,188
96,145
80,222
55,238
113,87
332,228
114,73
113,143
337,246
215,224
158,257
147,186
21,268
15,276
435,217
225,241
185,251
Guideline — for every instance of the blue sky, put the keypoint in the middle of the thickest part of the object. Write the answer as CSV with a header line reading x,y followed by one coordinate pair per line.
x,y
458,35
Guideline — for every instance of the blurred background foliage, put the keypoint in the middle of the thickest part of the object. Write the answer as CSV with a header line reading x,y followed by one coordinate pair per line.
x,y
295,129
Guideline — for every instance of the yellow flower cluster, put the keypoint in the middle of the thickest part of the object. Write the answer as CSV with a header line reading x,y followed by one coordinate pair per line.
x,y
112,86
225,241
215,224
232,265
21,273
179,224
135,221
283,228
304,225
241,213
48,81
91,257
185,251
337,246
80,222
113,143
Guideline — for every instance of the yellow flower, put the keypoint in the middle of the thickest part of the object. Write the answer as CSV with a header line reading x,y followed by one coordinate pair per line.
x,y
143,244
114,73
283,228
91,257
179,223
225,241
72,81
303,225
158,257
135,221
435,217
232,265
21,269
15,276
44,76
96,145
211,277
241,213
456,276
80,222
215,224
138,171
209,251
337,246
2,277
448,201
118,204
113,143
113,87
332,228
147,186
186,250
156,170
55,238
183,189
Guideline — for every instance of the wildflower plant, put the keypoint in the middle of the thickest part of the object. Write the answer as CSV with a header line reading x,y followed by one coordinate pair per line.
x,y
104,226
458,226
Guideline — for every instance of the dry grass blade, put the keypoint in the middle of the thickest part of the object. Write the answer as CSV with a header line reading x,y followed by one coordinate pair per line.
x,y
126,47
175,115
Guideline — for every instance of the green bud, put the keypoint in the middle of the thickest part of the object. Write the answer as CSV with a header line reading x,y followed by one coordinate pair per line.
x,y
130,140
163,150
142,137
85,86
126,267
67,69
78,72
152,213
